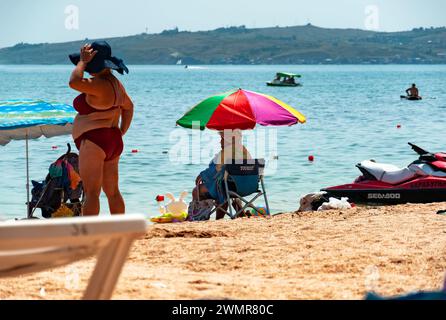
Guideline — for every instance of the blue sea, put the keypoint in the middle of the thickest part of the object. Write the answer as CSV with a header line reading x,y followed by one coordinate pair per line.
x,y
352,114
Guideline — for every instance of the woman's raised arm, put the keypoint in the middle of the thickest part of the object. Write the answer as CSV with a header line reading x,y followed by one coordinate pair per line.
x,y
77,80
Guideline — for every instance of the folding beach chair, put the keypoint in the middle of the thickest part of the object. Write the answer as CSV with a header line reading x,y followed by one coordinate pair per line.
x,y
29,246
242,180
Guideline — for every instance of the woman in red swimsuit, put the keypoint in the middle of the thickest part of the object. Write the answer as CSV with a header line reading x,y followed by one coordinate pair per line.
x,y
105,112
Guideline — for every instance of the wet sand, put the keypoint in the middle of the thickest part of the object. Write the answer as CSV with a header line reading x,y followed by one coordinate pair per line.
x,y
315,255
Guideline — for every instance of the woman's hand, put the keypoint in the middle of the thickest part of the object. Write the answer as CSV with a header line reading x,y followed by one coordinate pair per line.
x,y
87,53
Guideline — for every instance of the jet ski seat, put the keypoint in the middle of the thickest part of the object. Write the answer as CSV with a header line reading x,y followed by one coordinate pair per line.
x,y
424,169
387,173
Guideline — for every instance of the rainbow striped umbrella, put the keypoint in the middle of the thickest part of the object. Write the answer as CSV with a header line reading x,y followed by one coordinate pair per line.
x,y
240,109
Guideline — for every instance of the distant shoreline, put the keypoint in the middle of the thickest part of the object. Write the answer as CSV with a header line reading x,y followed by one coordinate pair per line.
x,y
298,45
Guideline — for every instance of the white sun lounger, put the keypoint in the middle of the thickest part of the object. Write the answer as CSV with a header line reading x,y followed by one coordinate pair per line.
x,y
30,246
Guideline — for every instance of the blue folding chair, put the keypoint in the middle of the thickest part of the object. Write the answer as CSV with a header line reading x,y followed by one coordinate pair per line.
x,y
242,180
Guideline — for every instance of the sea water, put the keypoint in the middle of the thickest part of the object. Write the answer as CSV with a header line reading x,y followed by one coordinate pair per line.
x,y
352,114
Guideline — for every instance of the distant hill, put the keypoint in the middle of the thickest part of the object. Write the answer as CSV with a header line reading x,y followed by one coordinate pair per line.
x,y
239,45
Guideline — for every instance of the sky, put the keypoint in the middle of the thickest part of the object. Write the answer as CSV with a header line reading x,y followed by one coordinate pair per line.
x,y
37,21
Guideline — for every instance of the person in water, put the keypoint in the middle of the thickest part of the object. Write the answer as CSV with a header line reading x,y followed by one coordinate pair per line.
x,y
413,92
209,182
105,112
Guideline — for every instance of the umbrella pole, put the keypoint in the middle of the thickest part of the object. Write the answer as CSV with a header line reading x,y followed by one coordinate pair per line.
x,y
27,177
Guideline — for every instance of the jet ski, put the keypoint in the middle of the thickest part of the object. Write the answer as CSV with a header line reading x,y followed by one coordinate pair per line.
x,y
423,181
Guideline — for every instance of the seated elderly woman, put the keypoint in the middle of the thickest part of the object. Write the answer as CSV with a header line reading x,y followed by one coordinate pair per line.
x,y
209,181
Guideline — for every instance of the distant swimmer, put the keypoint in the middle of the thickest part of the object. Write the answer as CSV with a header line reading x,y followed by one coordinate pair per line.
x,y
185,67
413,92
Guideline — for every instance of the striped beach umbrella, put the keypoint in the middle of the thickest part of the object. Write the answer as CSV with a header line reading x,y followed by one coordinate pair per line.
x,y
240,109
32,119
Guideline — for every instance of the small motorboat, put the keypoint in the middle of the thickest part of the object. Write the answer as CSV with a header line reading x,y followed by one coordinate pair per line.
x,y
423,181
285,79
411,98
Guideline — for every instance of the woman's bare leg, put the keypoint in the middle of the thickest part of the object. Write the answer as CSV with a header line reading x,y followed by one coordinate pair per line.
x,y
220,214
110,185
91,162
199,192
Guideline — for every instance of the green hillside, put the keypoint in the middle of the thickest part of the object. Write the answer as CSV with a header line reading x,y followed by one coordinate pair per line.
x,y
239,45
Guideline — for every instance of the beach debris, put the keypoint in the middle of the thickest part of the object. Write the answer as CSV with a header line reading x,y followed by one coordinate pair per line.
x,y
312,201
371,277
42,292
319,201
200,234
334,203
159,285
72,278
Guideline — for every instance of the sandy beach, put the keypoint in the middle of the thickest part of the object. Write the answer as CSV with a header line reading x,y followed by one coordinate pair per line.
x,y
315,255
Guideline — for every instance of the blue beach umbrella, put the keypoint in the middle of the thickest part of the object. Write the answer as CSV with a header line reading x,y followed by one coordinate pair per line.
x,y
32,119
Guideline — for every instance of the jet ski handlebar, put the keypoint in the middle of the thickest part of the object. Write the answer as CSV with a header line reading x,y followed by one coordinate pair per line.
x,y
419,150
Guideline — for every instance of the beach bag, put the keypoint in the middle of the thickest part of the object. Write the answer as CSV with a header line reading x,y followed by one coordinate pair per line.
x,y
62,186
200,210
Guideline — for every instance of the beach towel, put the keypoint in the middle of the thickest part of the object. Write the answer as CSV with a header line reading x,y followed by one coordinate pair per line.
x,y
213,180
74,177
